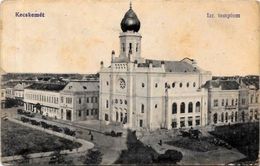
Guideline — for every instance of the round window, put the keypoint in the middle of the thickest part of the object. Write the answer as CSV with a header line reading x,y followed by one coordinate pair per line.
x,y
122,83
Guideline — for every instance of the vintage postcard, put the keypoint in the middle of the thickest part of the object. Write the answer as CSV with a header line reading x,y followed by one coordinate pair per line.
x,y
112,82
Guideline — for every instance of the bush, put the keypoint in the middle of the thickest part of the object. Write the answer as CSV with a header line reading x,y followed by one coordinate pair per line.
x,y
44,117
69,132
56,128
94,156
44,125
170,156
23,119
20,111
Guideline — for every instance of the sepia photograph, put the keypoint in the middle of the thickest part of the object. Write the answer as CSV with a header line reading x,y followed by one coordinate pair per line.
x,y
140,82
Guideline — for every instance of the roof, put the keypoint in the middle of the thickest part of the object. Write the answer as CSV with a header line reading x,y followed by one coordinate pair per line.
x,y
251,81
173,66
21,86
82,86
46,87
224,84
9,85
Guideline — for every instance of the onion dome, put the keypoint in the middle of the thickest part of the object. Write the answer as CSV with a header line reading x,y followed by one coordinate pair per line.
x,y
130,22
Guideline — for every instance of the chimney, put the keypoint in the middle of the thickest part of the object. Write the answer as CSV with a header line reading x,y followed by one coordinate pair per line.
x,y
112,55
101,64
150,64
162,64
135,63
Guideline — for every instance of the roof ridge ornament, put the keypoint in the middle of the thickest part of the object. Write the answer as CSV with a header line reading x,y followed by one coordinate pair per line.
x,y
130,4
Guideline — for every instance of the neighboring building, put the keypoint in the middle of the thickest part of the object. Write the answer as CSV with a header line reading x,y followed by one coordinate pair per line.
x,y
150,94
243,103
43,98
9,91
251,98
253,104
223,98
79,100
76,100
3,94
18,91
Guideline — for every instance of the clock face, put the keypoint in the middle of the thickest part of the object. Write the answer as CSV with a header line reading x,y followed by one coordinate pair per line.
x,y
122,83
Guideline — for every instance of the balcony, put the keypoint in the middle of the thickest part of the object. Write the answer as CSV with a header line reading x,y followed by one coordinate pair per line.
x,y
229,107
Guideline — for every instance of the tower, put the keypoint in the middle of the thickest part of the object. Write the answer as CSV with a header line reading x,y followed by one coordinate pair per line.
x,y
130,39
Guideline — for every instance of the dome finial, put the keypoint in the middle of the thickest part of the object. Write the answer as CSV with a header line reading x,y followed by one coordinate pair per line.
x,y
130,22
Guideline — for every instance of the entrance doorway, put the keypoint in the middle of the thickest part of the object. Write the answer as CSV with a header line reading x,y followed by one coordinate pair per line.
x,y
68,114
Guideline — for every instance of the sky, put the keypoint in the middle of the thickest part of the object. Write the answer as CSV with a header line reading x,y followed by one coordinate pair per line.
x,y
75,35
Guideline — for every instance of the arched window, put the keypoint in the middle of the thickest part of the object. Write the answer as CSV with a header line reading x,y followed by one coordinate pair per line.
x,y
142,108
174,108
256,114
130,47
222,117
188,84
166,85
121,117
215,118
173,85
180,85
182,107
136,47
156,85
116,101
106,117
123,46
198,106
194,84
226,117
235,116
190,107
143,85
232,116
117,116
107,104
243,116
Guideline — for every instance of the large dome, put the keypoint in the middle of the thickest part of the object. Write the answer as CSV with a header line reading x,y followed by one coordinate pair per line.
x,y
130,22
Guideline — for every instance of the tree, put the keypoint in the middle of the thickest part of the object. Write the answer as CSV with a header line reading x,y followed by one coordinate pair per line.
x,y
94,156
58,158
25,158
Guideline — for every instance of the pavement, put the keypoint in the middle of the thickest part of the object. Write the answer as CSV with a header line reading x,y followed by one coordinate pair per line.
x,y
213,157
85,145
110,147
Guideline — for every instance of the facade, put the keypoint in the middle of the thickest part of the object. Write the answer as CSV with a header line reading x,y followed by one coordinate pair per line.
x,y
253,103
9,91
3,94
18,91
79,101
76,100
150,94
43,99
223,102
243,103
